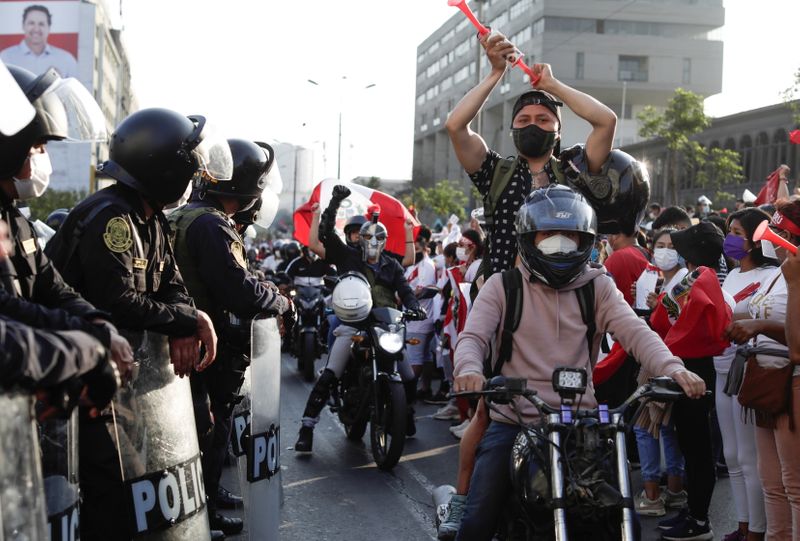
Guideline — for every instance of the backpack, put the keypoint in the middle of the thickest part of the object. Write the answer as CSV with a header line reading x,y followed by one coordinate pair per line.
x,y
501,176
512,285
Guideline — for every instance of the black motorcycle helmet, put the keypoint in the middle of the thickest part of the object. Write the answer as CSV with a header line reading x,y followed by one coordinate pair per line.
x,y
157,152
619,193
252,162
290,251
555,208
353,224
48,124
56,218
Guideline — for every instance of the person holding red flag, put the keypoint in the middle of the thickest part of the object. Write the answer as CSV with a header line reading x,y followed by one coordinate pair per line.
x,y
386,279
691,319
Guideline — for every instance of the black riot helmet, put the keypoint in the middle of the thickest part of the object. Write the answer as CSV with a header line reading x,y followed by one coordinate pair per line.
x,y
157,152
555,208
64,110
252,162
56,218
619,193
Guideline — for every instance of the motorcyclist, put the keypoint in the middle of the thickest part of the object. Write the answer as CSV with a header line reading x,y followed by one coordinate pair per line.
x,y
555,231
308,265
386,279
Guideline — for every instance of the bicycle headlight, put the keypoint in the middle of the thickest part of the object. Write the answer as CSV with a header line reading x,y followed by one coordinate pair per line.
x,y
390,342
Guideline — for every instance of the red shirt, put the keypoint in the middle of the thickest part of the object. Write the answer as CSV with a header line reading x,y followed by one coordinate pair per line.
x,y
625,266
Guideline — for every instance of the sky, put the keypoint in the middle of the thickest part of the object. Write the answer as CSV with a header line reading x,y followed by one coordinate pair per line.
x,y
245,64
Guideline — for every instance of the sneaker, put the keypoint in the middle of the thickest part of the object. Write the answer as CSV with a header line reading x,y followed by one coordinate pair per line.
x,y
455,510
439,399
447,413
648,507
736,535
305,441
675,500
689,530
458,430
670,523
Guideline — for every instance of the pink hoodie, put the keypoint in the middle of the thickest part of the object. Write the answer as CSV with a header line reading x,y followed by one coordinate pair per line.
x,y
551,334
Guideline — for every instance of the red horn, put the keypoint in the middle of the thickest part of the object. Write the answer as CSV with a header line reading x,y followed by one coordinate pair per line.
x,y
763,232
462,5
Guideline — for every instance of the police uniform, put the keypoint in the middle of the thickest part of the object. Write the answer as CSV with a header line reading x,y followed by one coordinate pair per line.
x,y
121,260
211,256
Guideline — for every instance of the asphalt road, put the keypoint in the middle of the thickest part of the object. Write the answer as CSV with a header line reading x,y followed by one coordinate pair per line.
x,y
339,494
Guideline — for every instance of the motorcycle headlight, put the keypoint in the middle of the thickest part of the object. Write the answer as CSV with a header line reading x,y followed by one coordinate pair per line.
x,y
391,342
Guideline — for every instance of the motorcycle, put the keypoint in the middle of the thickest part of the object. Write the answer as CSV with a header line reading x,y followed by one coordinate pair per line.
x,y
309,299
570,470
371,391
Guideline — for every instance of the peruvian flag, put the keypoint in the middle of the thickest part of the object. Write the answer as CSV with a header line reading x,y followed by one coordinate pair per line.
x,y
362,200
769,193
459,305
704,315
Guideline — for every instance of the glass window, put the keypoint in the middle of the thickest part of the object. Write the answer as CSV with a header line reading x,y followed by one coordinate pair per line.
x,y
499,21
463,24
421,100
461,74
463,48
449,35
579,65
538,27
522,36
447,83
632,68
519,8
687,70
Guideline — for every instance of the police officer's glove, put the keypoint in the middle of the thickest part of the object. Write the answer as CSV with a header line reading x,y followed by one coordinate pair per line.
x,y
102,383
340,192
58,402
420,314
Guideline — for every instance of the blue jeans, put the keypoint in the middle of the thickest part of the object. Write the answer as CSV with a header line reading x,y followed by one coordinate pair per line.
x,y
333,322
650,453
490,485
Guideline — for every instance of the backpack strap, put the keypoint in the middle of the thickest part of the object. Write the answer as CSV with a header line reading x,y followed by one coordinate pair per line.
x,y
512,285
585,295
503,171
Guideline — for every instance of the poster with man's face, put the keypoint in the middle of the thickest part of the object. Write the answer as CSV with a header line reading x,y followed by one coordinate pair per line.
x,y
40,35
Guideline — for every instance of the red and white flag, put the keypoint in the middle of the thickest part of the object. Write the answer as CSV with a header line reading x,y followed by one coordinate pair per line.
x,y
458,307
362,200
769,193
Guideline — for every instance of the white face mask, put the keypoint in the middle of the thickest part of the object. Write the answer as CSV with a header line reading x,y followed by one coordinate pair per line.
x,y
461,253
665,258
768,249
35,186
557,244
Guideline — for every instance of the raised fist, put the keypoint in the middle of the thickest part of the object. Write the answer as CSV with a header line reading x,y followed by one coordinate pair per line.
x,y
340,192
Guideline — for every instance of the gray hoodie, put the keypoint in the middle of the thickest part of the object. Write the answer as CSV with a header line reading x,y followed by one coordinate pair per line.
x,y
551,333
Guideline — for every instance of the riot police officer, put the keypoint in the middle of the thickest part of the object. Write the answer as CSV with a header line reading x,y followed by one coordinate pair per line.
x,y
211,257
114,249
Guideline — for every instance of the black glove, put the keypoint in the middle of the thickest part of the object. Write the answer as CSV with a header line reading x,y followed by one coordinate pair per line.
x,y
438,326
102,383
340,192
420,314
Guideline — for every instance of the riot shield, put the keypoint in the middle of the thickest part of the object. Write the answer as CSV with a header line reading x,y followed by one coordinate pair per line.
x,y
155,434
240,435
59,443
261,482
22,503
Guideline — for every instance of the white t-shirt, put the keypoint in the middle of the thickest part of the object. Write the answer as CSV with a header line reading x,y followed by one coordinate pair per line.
x,y
736,282
472,271
422,274
769,303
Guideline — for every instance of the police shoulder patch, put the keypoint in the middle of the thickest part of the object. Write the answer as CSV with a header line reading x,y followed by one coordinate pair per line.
x,y
118,236
237,250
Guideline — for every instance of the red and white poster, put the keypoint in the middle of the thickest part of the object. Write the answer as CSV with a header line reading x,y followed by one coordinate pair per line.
x,y
40,35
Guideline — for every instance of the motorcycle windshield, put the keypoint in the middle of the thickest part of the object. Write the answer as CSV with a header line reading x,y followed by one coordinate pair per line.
x,y
387,316
308,292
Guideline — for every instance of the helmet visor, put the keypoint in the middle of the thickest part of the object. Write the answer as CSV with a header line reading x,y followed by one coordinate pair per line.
x,y
274,182
67,108
557,211
213,154
269,209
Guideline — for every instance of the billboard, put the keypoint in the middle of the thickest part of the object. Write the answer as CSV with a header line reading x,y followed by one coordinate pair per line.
x,y
39,35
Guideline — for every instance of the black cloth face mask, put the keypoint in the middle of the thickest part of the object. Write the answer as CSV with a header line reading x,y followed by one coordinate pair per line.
x,y
532,141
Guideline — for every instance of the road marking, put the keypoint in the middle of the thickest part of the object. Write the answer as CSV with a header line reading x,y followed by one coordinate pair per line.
x,y
422,515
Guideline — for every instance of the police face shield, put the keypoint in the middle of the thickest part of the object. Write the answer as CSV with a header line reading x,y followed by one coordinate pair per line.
x,y
212,152
85,121
273,180
268,211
